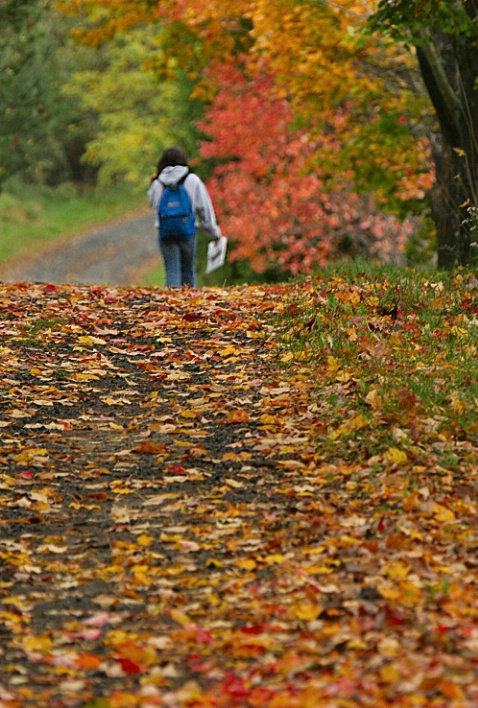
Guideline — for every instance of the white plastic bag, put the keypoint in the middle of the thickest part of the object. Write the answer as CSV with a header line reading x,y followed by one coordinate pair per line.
x,y
216,254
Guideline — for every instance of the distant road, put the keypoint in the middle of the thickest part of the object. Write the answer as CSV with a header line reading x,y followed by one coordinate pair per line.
x,y
111,254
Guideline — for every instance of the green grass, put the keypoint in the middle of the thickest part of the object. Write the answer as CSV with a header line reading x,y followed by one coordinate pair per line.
x,y
154,276
392,353
32,218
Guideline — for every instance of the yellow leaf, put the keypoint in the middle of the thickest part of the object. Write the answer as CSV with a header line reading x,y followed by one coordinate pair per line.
x,y
115,401
413,533
318,570
396,456
90,341
141,576
343,376
457,404
175,570
228,351
389,592
307,611
356,423
267,419
419,469
187,413
442,513
41,644
228,456
374,399
332,366
27,455
246,564
356,644
397,570
255,335
180,617
78,376
144,540
274,559
389,673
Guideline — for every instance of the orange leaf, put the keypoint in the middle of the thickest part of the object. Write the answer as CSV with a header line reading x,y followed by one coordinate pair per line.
x,y
88,661
237,416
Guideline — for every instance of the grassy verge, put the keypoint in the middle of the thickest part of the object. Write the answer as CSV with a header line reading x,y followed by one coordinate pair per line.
x,y
154,276
392,354
39,216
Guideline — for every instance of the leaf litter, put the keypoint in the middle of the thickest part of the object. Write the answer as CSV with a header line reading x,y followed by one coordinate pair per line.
x,y
194,513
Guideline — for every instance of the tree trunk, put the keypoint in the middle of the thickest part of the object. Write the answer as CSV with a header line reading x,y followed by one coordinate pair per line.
x,y
449,66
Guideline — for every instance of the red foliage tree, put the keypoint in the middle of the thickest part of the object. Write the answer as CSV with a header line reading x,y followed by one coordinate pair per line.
x,y
273,202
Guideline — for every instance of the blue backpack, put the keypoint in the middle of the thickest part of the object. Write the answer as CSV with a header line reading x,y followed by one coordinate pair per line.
x,y
177,220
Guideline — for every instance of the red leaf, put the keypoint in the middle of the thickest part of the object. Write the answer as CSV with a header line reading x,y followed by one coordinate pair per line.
x,y
26,474
129,667
177,469
235,687
252,630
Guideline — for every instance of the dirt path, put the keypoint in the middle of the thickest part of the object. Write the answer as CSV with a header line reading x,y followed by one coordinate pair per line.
x,y
114,254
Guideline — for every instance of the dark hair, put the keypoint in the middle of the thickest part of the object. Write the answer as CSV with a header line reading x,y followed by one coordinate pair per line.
x,y
171,157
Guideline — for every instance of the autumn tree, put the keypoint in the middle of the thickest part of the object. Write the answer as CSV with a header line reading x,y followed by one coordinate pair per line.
x,y
445,37
325,66
272,199
354,154
351,97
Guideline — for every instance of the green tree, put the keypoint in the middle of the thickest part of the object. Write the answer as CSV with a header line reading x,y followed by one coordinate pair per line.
x,y
39,138
137,116
23,50
444,35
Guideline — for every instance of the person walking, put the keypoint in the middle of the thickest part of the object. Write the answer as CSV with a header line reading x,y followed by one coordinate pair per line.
x,y
179,255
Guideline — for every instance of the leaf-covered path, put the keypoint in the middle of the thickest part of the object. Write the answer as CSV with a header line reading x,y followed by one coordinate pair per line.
x,y
135,481
172,535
